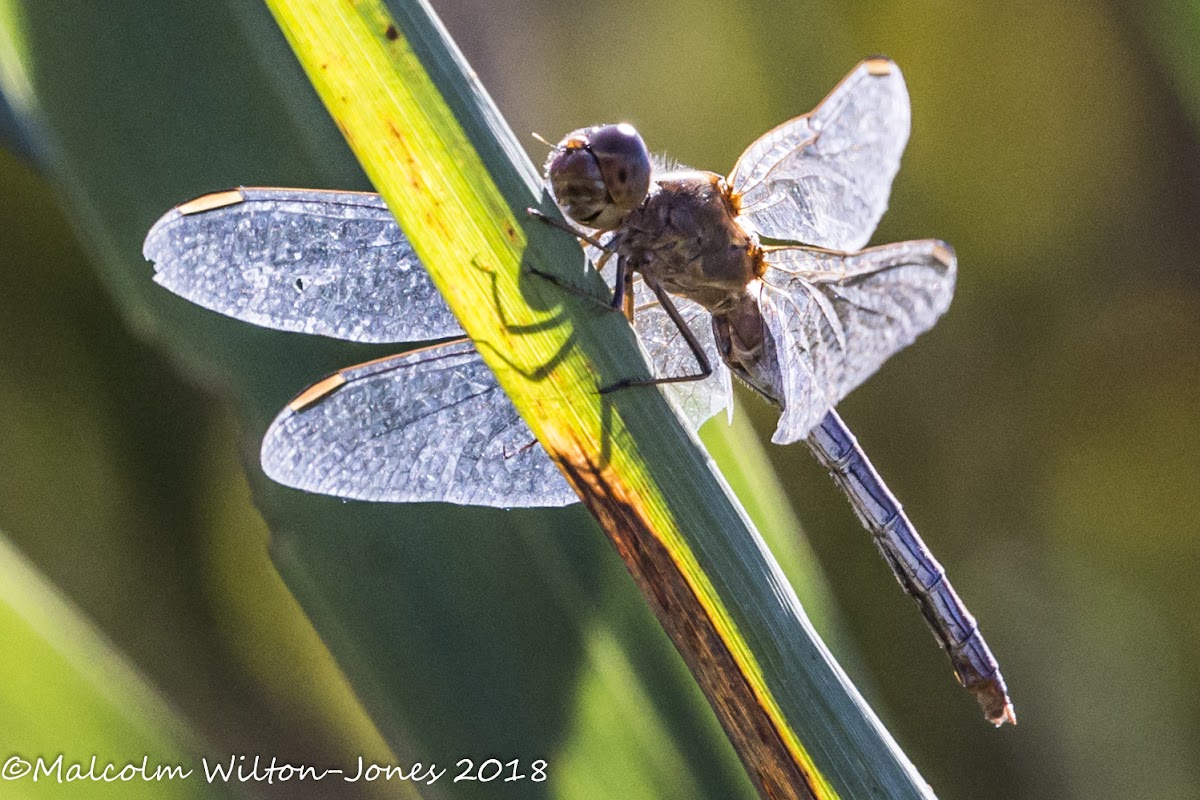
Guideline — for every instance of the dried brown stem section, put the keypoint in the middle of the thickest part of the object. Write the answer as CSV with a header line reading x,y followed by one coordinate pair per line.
x,y
753,733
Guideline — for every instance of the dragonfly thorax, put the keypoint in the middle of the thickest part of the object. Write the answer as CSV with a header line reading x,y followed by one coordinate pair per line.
x,y
685,237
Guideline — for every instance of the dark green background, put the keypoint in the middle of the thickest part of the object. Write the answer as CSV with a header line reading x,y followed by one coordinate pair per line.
x,y
1043,437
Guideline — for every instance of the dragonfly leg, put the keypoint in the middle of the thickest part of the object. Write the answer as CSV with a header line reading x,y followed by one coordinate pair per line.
x,y
554,222
621,284
563,226
693,344
629,295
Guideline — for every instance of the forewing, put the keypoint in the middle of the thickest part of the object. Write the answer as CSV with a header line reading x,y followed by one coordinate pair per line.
x,y
824,178
835,318
329,263
430,425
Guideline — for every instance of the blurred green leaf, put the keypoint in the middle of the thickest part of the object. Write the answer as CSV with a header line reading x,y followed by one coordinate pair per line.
x,y
65,691
1173,28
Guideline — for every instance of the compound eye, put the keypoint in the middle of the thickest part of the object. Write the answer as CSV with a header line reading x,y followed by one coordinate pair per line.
x,y
577,183
624,161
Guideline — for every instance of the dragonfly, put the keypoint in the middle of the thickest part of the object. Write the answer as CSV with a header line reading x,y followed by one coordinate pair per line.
x,y
764,275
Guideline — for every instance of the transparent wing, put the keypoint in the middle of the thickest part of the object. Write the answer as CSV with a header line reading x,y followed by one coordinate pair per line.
x,y
329,263
430,425
824,178
836,317
669,353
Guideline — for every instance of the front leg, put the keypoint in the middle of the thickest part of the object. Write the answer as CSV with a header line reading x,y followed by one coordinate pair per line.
x,y
621,284
664,299
607,253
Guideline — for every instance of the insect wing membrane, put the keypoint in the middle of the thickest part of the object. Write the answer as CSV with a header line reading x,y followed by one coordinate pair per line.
x,y
824,178
836,317
430,425
697,400
311,261
670,355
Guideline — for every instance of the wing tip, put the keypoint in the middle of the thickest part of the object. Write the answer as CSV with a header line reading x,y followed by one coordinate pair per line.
x,y
879,66
277,455
149,250
944,253
198,205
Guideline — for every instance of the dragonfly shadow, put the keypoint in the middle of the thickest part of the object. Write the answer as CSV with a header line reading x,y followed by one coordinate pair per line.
x,y
564,299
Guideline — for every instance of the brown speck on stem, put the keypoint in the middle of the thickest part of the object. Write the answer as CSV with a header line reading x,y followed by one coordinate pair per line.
x,y
391,33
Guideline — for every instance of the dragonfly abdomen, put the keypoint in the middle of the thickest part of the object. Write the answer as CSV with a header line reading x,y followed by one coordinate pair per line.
x,y
918,572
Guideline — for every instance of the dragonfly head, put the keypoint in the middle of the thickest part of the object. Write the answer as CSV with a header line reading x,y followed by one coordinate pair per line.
x,y
599,174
